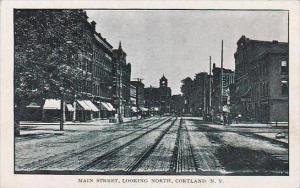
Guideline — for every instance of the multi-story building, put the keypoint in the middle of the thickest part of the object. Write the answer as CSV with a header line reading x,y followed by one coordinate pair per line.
x,y
221,95
261,80
140,96
152,99
97,66
159,98
165,96
133,96
96,61
121,73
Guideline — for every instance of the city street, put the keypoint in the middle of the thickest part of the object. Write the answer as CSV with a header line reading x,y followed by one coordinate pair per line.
x,y
157,145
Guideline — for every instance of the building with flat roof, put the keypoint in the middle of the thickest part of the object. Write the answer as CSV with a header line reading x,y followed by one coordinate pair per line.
x,y
261,80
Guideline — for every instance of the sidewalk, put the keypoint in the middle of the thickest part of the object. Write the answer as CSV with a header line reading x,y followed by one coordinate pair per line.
x,y
91,122
30,128
263,131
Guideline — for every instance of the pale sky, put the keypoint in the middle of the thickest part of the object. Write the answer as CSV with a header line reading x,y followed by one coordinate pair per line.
x,y
178,43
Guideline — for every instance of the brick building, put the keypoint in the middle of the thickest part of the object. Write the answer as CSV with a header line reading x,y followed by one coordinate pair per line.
x,y
103,70
97,66
261,80
159,99
121,73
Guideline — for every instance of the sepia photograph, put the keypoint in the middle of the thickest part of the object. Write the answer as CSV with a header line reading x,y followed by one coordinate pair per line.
x,y
151,92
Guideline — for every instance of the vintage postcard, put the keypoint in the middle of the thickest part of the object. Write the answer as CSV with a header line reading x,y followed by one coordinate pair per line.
x,y
114,94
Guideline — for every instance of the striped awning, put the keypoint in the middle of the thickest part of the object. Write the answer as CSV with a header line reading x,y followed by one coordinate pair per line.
x,y
70,108
84,105
91,105
111,106
107,106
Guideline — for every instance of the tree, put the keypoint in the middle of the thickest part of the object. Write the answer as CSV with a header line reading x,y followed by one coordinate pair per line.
x,y
186,89
47,55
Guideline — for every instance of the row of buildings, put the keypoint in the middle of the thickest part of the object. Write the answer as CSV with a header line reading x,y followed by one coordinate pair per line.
x,y
104,88
256,91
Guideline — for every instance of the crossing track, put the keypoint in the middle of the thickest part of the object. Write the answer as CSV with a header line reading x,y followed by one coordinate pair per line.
x,y
55,162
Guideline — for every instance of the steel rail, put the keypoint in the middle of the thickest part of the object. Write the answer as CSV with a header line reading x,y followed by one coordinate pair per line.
x,y
99,159
55,161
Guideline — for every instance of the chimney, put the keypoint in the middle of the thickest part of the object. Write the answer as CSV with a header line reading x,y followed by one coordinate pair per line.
x,y
214,65
93,24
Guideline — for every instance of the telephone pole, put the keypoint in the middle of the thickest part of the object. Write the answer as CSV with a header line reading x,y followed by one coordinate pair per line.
x,y
209,107
221,84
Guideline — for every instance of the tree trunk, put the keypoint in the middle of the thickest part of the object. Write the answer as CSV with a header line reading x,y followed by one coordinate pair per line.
x,y
61,127
17,119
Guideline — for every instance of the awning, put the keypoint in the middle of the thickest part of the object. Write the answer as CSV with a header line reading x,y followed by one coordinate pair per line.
x,y
105,106
134,109
111,106
91,105
33,105
52,104
84,105
70,108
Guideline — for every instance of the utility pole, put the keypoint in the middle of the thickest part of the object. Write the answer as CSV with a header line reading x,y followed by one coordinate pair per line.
x,y
209,108
221,84
120,95
204,97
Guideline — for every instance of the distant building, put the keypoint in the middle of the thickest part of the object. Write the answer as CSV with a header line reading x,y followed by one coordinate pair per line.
x,y
165,96
221,95
159,99
262,80
152,99
140,96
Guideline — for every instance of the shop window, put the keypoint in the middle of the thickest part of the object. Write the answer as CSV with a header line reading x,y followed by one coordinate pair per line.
x,y
284,87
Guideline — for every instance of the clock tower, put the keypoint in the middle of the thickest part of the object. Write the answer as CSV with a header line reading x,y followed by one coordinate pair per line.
x,y
163,82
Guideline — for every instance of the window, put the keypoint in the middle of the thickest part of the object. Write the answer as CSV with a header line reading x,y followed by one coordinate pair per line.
x,y
284,87
284,67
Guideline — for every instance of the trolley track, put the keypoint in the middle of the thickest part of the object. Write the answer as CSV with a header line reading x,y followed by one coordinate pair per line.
x,y
183,158
56,161
147,152
139,160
